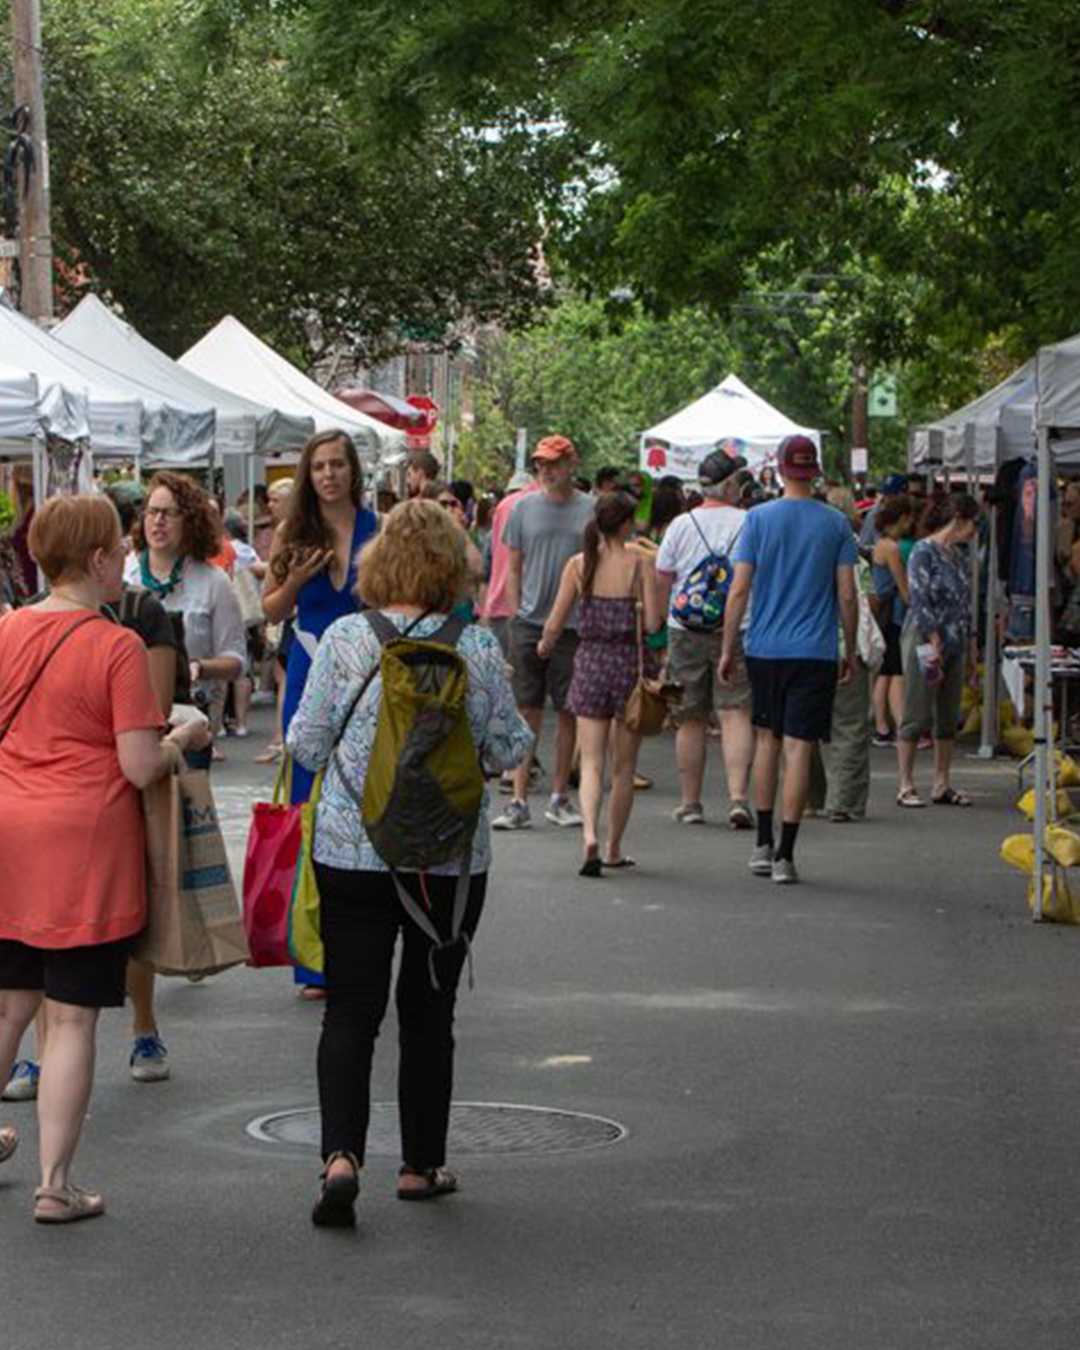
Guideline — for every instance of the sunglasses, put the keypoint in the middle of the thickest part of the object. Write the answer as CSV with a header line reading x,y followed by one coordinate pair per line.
x,y
451,503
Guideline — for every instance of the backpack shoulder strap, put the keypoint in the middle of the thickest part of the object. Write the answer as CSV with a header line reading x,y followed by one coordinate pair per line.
x,y
381,626
697,526
448,634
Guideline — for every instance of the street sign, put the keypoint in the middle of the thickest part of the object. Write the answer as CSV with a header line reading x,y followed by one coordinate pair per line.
x,y
882,399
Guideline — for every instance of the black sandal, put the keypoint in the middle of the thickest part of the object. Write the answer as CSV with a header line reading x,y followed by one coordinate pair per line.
x,y
334,1207
439,1182
591,866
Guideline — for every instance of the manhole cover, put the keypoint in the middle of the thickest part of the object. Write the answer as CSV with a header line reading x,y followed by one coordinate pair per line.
x,y
475,1127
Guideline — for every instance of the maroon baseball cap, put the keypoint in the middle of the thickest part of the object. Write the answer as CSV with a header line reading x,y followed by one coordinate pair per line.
x,y
798,458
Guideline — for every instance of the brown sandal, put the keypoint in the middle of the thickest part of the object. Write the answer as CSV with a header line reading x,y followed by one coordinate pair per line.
x,y
74,1204
439,1182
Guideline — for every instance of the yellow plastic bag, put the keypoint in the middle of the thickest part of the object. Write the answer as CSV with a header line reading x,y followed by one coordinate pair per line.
x,y
1061,908
305,935
1019,741
973,722
1019,852
1068,771
1006,714
1063,845
1026,804
968,698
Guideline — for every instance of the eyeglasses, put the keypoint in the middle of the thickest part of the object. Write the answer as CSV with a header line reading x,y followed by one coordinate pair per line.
x,y
451,503
163,512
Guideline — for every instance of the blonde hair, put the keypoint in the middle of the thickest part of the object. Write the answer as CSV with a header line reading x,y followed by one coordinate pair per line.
x,y
66,530
281,487
417,558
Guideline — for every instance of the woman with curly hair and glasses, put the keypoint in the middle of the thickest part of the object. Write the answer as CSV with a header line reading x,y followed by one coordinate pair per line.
x,y
313,575
413,574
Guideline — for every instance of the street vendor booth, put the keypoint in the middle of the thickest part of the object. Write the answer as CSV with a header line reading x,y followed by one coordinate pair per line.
x,y
731,418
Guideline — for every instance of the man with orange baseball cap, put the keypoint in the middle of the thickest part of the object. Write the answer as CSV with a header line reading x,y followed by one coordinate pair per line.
x,y
542,533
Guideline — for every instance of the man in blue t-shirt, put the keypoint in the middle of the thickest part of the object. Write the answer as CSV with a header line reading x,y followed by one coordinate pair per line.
x,y
799,557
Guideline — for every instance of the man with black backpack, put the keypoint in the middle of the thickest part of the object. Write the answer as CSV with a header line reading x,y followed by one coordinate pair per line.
x,y
694,563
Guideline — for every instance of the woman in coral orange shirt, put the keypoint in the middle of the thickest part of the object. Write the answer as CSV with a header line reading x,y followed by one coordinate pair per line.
x,y
80,734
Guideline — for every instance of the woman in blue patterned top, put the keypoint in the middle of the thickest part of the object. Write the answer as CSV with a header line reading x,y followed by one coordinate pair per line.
x,y
414,572
938,617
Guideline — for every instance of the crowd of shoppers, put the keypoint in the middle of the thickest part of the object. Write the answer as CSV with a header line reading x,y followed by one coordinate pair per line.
x,y
786,620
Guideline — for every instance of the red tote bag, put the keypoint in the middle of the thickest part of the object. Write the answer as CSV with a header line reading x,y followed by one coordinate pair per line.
x,y
273,848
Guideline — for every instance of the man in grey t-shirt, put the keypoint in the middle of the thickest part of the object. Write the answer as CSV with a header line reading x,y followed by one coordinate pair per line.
x,y
542,533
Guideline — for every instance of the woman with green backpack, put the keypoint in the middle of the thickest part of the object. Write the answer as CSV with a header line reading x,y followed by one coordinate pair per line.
x,y
406,709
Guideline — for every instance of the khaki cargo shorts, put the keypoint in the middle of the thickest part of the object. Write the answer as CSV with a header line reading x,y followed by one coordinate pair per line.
x,y
692,660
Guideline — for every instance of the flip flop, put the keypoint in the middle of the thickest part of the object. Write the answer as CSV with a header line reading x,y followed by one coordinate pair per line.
x,y
951,797
9,1142
589,868
439,1182
909,798
619,862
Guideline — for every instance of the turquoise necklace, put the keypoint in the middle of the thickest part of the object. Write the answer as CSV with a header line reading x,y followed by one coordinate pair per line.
x,y
159,588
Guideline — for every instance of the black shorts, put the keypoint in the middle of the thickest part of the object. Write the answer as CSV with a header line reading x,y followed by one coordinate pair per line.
x,y
88,977
793,697
533,680
893,663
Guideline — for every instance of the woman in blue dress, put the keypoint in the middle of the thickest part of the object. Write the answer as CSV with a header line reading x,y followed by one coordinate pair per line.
x,y
312,575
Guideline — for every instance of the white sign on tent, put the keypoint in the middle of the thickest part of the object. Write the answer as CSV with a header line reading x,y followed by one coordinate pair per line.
x,y
731,418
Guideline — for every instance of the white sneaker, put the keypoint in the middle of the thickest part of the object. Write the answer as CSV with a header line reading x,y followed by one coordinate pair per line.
x,y
562,812
691,814
23,1083
516,817
149,1059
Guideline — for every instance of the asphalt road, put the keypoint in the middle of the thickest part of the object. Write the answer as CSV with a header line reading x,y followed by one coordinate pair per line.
x,y
849,1110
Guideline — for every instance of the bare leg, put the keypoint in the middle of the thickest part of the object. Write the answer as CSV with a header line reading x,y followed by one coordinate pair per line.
x,y
242,701
593,743
896,699
797,757
738,746
882,702
535,719
67,1075
905,763
17,1010
140,985
690,757
942,765
627,745
766,769
565,740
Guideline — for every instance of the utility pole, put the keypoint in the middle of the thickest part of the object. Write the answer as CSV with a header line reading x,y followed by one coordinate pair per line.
x,y
35,234
860,423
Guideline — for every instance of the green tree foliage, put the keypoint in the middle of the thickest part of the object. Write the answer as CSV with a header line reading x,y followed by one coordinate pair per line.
x,y
198,171
929,138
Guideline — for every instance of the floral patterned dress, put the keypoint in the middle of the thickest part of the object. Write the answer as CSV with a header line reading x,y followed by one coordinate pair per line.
x,y
606,660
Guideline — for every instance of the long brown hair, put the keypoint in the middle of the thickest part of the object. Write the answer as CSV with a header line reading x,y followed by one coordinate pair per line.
x,y
303,528
612,512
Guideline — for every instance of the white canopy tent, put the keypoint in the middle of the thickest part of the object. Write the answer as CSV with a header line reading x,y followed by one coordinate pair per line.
x,y
996,426
730,417
126,416
242,426
234,358
20,409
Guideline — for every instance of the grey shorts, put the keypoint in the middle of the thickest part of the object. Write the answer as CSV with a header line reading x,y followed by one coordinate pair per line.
x,y
533,680
692,659
934,708
501,629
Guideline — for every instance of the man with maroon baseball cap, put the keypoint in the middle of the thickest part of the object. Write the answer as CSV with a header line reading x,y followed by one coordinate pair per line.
x,y
798,555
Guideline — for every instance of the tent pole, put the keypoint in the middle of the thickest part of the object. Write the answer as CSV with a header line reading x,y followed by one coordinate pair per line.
x,y
988,743
1043,687
251,497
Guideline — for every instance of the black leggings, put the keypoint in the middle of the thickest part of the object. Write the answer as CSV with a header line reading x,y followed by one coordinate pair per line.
x,y
361,918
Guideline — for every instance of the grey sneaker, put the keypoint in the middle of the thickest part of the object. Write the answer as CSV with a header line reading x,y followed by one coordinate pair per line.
x,y
739,817
563,812
149,1059
784,873
515,817
761,860
691,814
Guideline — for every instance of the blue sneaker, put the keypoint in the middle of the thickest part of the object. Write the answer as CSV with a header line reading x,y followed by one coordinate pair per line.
x,y
149,1059
22,1086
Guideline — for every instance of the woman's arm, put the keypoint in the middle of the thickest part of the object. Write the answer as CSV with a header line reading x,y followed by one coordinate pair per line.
x,y
228,635
569,590
145,757
655,599
163,676
502,736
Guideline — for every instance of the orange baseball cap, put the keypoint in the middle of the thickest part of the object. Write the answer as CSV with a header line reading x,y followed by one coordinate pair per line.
x,y
553,447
